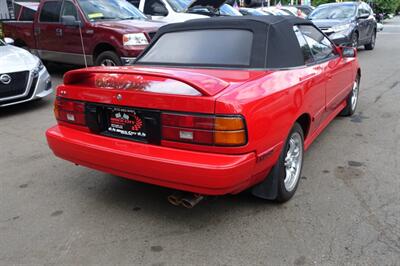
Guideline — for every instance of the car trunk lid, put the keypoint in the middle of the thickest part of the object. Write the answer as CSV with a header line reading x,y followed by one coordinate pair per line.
x,y
129,102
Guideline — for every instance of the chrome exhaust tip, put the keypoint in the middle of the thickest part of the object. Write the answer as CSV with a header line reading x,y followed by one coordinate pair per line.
x,y
175,199
191,201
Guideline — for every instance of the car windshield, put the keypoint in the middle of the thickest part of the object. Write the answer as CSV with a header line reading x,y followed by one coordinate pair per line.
x,y
1,42
110,9
182,5
276,11
290,10
253,12
228,10
179,5
208,48
333,12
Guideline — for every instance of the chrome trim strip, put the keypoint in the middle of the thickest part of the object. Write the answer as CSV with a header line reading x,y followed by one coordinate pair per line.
x,y
67,58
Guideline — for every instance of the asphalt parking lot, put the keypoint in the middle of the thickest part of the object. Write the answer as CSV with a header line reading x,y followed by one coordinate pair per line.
x,y
345,212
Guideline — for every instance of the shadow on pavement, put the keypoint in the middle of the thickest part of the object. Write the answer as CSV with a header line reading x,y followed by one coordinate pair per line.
x,y
130,198
26,107
60,69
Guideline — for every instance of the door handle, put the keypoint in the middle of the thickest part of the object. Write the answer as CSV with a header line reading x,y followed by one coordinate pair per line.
x,y
59,32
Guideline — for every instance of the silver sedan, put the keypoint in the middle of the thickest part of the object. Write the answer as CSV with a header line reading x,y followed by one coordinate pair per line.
x,y
23,77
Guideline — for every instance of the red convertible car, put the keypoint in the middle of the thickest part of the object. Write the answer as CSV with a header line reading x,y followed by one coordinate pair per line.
x,y
212,106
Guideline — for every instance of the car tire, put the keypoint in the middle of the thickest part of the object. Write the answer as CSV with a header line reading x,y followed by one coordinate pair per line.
x,y
371,44
290,162
354,40
108,58
352,99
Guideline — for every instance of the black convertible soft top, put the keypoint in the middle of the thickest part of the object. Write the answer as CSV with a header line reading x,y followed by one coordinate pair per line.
x,y
274,45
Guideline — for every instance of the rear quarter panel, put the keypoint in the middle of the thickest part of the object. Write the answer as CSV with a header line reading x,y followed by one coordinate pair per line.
x,y
271,105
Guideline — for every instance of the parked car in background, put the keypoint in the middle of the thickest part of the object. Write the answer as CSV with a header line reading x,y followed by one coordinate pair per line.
x,y
223,10
253,12
171,11
379,26
113,32
275,11
306,9
237,116
23,77
348,23
294,11
168,11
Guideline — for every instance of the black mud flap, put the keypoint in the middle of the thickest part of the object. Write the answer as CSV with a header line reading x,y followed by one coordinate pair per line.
x,y
267,189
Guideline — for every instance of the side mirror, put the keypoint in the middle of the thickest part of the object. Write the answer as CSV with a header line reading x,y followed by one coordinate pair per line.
x,y
9,41
71,21
363,16
348,52
159,10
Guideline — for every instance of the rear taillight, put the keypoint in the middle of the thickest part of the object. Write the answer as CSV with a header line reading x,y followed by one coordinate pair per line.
x,y
69,111
204,129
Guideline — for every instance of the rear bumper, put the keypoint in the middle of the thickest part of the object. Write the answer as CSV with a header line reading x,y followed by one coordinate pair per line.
x,y
198,172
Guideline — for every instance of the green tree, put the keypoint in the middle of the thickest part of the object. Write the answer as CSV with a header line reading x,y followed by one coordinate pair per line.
x,y
386,6
320,2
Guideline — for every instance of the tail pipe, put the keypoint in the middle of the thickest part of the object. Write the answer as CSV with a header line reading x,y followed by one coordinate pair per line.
x,y
186,200
176,198
191,201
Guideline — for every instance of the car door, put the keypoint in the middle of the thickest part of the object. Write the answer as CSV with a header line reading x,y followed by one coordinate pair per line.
x,y
314,78
47,31
337,74
371,22
71,36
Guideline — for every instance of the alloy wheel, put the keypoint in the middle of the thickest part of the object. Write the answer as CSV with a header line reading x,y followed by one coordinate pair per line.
x,y
354,95
354,40
373,40
108,62
293,161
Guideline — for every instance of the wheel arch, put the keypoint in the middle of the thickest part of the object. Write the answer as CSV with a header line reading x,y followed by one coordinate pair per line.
x,y
102,47
20,43
304,121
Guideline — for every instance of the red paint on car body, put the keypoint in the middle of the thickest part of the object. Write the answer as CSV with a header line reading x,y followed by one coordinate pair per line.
x,y
270,102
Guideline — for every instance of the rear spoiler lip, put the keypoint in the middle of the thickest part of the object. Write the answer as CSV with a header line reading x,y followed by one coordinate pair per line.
x,y
198,81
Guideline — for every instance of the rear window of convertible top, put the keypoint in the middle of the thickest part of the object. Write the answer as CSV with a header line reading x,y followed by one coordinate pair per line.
x,y
208,48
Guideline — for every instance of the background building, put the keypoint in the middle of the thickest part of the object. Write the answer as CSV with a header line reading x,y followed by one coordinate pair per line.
x,y
6,9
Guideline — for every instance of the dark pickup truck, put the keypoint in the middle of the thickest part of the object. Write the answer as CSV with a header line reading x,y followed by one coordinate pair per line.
x,y
113,32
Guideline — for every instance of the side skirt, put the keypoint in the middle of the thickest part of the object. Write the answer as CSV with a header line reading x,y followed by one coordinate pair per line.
x,y
268,189
323,125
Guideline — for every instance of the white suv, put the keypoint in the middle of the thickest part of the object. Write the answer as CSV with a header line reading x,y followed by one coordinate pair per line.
x,y
171,11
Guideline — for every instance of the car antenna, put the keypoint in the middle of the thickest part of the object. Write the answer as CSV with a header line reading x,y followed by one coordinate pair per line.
x,y
83,46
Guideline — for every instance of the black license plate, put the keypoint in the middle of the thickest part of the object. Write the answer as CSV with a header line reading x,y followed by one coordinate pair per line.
x,y
125,122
